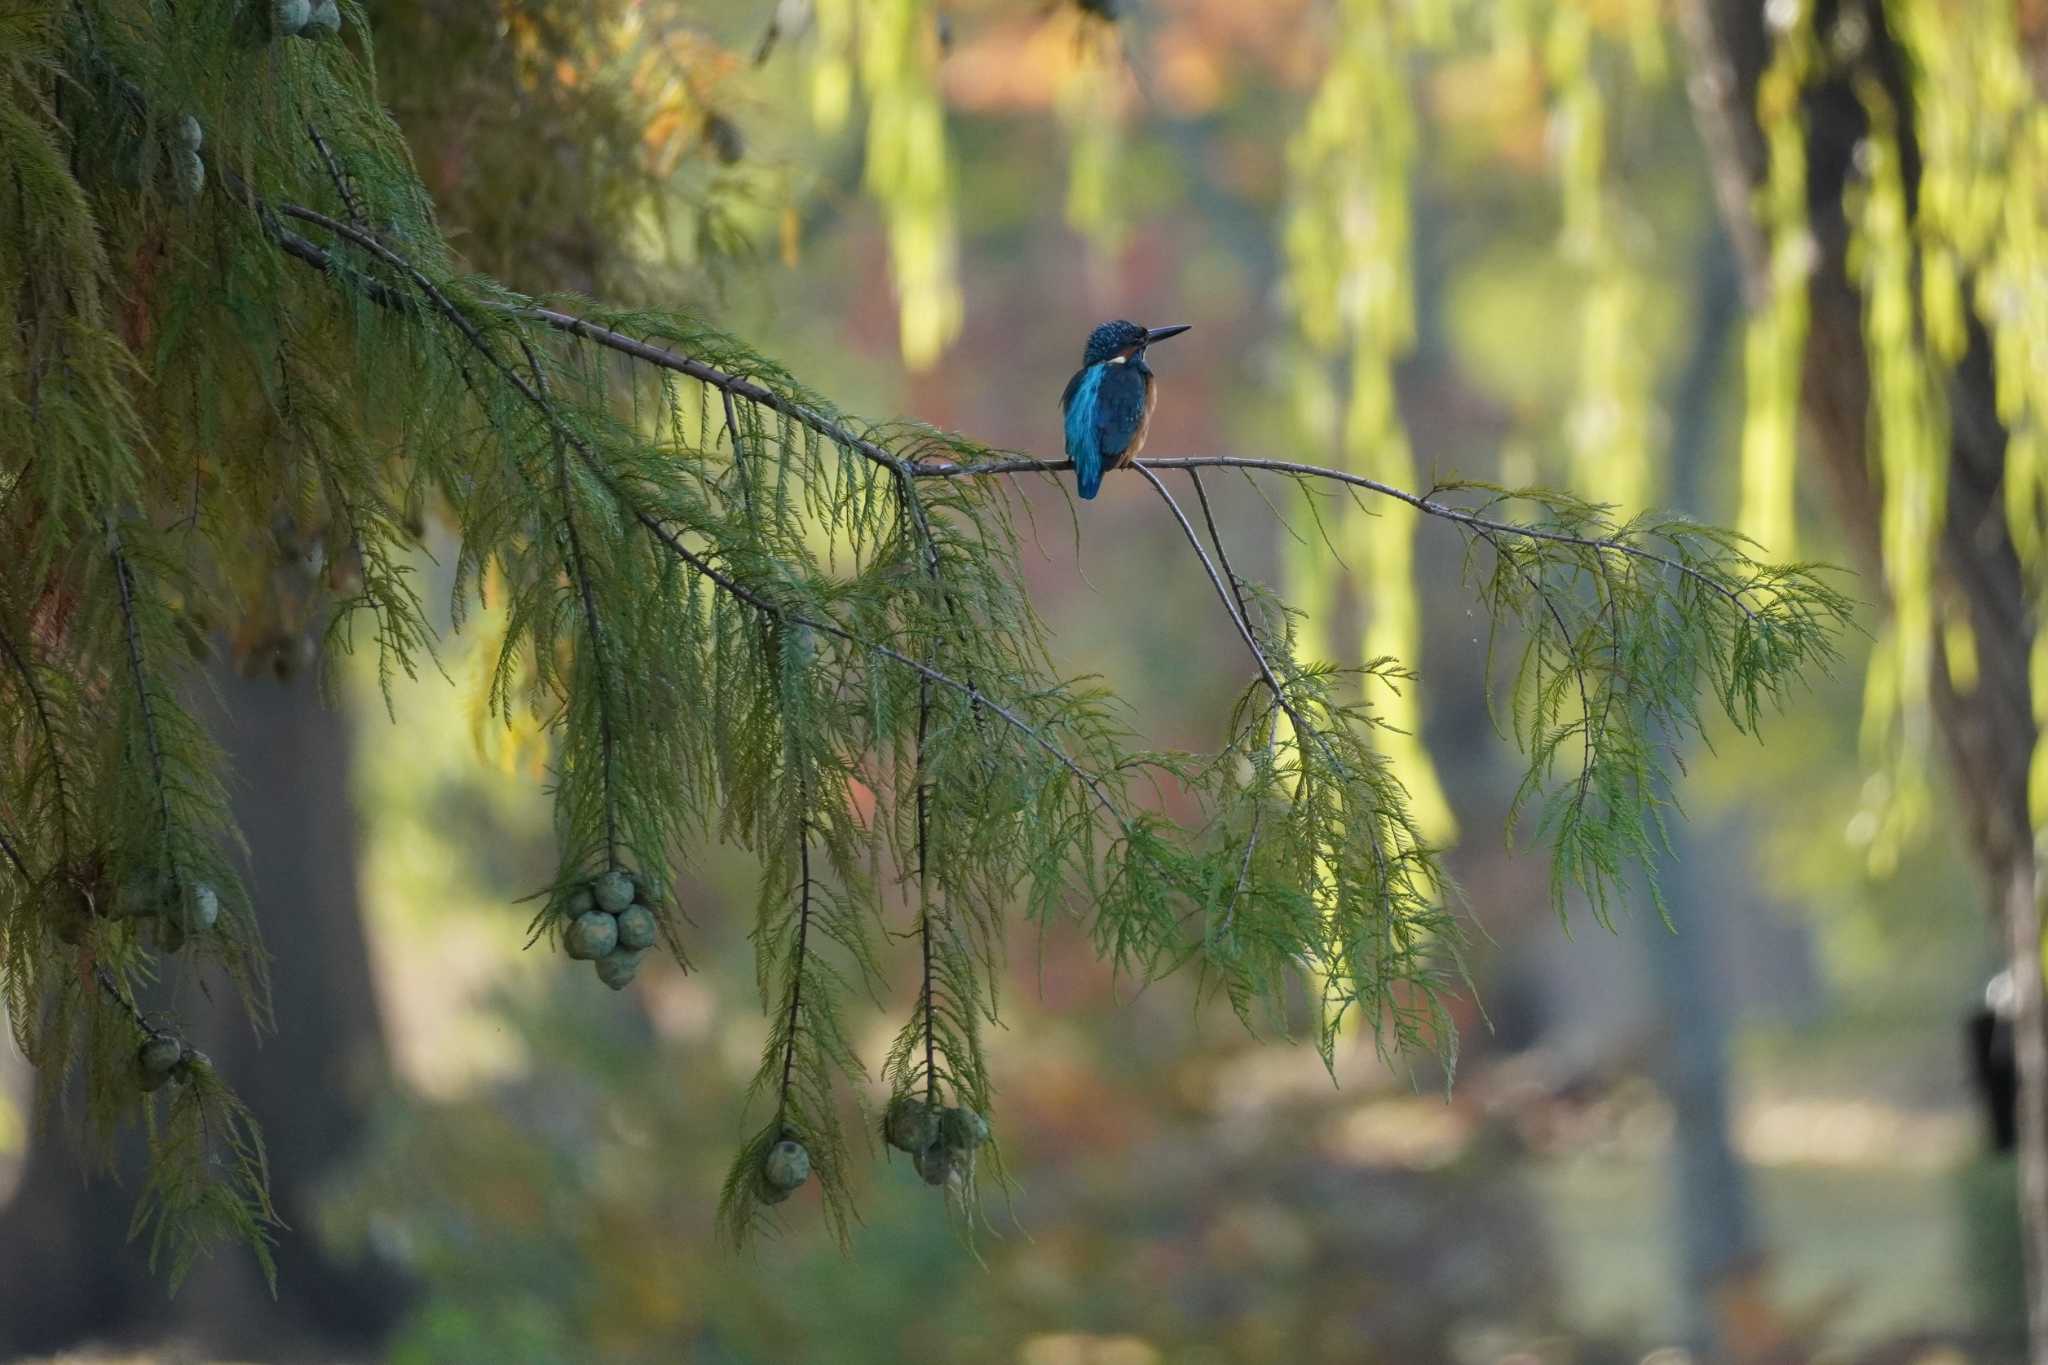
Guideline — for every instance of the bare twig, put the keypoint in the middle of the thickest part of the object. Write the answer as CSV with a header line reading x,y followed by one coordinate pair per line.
x,y
1226,594
1244,612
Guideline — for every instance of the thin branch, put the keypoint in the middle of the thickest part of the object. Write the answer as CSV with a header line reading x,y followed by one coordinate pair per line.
x,y
738,387
580,568
1589,747
340,178
924,902
740,464
41,704
973,693
1244,629
803,929
14,856
654,525
1244,611
1420,502
124,579
114,992
1303,731
327,263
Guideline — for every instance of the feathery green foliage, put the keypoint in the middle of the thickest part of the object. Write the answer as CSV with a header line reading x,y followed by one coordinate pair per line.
x,y
738,613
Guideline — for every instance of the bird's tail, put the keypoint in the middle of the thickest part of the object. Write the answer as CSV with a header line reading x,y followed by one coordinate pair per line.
x,y
1088,476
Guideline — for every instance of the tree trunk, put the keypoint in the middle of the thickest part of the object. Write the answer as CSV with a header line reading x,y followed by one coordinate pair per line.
x,y
1719,1248
71,1275
1988,734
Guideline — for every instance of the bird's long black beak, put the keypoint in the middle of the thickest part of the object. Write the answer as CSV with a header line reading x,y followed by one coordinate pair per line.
x,y
1162,333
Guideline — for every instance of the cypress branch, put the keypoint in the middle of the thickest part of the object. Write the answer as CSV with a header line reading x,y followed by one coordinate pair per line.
x,y
579,573
41,706
131,629
7,846
669,620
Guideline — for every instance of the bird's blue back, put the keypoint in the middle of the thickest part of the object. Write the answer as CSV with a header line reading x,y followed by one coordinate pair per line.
x,y
1105,410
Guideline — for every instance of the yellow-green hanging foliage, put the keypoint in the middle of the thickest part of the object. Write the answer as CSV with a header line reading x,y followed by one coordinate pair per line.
x,y
1774,341
1349,281
1610,424
1982,132
893,45
1092,102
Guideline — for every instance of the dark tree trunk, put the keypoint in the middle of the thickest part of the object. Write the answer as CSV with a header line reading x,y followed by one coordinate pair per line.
x,y
1988,734
70,1273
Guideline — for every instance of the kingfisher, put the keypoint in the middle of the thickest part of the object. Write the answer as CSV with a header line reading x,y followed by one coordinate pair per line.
x,y
1109,401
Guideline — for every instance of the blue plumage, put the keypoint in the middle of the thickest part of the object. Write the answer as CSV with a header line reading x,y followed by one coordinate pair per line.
x,y
1084,443
1108,403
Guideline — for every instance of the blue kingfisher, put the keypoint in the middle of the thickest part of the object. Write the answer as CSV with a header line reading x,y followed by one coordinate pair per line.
x,y
1109,401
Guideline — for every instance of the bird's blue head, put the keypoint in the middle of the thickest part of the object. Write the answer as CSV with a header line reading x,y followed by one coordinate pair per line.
x,y
1117,338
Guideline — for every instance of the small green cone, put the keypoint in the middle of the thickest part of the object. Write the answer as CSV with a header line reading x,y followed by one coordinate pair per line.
x,y
636,928
618,968
910,1125
287,17
143,895
934,1164
788,1165
614,891
591,936
190,171
323,22
156,1059
962,1129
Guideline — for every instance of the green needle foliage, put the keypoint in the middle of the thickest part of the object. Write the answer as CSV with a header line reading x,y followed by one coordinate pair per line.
x,y
739,613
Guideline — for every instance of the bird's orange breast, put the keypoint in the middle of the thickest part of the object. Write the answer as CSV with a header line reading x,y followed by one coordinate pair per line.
x,y
1144,424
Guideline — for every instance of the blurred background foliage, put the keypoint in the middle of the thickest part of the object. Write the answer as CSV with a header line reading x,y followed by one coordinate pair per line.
x,y
1422,241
